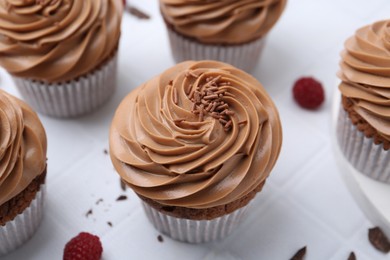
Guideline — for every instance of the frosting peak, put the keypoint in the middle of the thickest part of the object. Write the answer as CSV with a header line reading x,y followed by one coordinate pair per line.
x,y
57,40
222,22
365,75
22,146
199,135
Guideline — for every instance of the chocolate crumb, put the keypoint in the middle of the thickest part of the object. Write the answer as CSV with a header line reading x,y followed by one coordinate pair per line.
x,y
98,201
352,256
89,212
137,13
109,223
160,238
378,239
122,197
300,254
105,151
123,185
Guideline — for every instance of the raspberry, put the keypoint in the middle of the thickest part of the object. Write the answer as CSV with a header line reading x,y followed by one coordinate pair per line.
x,y
84,246
308,92
124,2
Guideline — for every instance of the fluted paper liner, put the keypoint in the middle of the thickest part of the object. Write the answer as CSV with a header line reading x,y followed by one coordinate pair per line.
x,y
18,231
72,98
367,157
194,231
243,56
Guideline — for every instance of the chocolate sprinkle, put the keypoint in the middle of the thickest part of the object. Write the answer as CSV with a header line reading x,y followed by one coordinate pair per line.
x,y
208,100
160,238
105,151
98,201
352,256
122,197
89,212
378,239
137,13
300,254
109,223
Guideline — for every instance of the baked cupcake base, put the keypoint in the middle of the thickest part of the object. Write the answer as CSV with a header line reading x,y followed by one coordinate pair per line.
x,y
15,232
244,56
72,98
367,157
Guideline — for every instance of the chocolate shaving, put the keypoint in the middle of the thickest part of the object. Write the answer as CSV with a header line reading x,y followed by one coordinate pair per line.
x,y
89,212
228,124
352,256
105,151
122,184
378,239
98,201
137,13
109,223
160,238
300,254
122,197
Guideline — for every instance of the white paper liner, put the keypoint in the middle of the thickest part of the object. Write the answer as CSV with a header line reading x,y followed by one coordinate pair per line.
x,y
194,231
244,56
18,231
72,98
367,157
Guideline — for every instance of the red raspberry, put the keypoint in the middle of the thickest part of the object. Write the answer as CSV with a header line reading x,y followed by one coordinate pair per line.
x,y
308,92
124,2
85,246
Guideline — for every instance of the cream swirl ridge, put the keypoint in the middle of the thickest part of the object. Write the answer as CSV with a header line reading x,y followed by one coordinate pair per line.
x,y
365,75
22,146
199,135
222,22
57,40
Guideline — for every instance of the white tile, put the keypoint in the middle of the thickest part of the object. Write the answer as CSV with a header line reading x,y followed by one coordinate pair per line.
x,y
279,233
296,149
323,194
67,144
92,185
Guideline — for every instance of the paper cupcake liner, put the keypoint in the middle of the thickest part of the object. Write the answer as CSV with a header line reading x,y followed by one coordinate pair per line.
x,y
194,231
18,231
71,98
244,56
367,157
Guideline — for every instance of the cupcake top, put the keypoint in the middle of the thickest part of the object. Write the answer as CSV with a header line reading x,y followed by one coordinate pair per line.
x,y
222,22
365,75
22,146
201,134
57,40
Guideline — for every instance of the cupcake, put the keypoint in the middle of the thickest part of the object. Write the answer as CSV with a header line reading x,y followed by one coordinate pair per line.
x,y
196,144
22,172
61,54
229,31
364,118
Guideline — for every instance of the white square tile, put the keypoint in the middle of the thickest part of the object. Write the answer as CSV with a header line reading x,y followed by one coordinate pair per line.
x,y
279,233
322,193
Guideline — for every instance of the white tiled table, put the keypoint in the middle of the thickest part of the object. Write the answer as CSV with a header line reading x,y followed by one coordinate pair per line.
x,y
304,202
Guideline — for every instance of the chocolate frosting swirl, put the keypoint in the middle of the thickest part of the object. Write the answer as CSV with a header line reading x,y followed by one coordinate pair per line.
x,y
222,22
365,75
57,40
22,146
170,148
